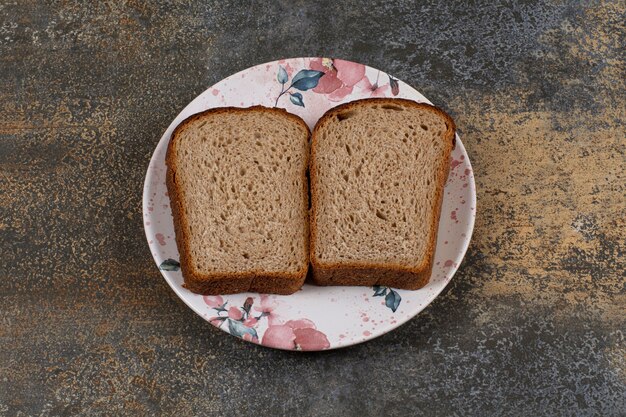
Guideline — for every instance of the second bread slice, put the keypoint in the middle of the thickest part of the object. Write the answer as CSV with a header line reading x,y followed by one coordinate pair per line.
x,y
238,190
378,169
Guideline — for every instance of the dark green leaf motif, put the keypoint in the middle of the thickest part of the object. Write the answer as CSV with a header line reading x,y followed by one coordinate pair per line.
x,y
237,328
296,98
379,291
221,308
306,79
392,300
395,86
169,265
247,305
282,76
263,314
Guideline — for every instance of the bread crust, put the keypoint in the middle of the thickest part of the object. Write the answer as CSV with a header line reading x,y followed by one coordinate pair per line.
x,y
233,282
369,274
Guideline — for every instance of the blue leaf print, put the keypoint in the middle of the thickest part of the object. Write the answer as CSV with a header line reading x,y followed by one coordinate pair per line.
x,y
296,98
263,314
282,76
392,300
221,308
306,79
169,265
395,87
379,291
237,328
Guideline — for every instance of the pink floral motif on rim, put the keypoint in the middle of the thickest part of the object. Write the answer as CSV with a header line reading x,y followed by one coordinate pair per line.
x,y
298,334
307,86
336,79
267,310
367,89
213,301
295,334
339,78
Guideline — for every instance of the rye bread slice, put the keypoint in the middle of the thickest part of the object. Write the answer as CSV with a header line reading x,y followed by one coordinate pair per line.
x,y
378,169
237,181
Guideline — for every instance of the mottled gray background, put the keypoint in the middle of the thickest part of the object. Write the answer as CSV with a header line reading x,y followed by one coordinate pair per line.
x,y
532,324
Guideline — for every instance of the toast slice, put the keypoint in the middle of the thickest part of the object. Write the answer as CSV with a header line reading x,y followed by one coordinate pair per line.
x,y
378,169
237,181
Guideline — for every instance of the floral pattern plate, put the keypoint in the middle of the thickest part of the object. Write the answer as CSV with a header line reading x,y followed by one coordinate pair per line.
x,y
314,318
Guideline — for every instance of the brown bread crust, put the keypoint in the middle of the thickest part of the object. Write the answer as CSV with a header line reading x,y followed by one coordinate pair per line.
x,y
228,283
391,275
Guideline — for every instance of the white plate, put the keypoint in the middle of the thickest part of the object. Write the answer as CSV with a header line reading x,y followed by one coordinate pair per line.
x,y
314,318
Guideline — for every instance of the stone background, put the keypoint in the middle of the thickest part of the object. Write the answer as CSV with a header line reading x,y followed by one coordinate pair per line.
x,y
532,324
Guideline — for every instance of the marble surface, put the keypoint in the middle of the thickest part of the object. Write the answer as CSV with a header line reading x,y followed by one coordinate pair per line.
x,y
532,324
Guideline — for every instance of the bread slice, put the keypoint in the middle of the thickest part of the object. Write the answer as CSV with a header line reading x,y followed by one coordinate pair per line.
x,y
378,169
237,180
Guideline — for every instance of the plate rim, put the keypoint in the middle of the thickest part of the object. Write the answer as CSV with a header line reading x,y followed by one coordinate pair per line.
x,y
336,344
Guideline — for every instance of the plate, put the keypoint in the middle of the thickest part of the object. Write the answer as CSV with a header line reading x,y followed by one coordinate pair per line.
x,y
314,318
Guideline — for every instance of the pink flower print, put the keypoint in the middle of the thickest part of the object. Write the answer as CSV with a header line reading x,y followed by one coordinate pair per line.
x,y
329,82
267,310
216,321
238,319
250,322
235,313
311,339
280,336
368,89
248,337
248,303
213,301
301,324
296,334
339,78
